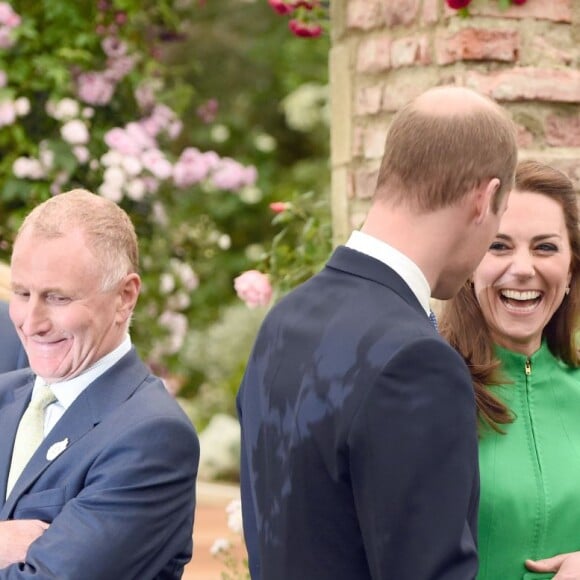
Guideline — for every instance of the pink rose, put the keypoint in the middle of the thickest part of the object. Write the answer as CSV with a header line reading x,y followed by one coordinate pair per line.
x,y
94,88
253,288
7,15
119,140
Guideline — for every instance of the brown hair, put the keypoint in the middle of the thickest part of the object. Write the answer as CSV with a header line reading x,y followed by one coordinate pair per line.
x,y
431,161
462,322
108,230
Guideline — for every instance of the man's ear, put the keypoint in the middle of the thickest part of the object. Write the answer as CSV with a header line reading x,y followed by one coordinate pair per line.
x,y
127,296
485,199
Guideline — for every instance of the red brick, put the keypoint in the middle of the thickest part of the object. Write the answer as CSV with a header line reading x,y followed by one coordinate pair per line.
x,y
368,100
374,54
525,138
410,50
364,14
554,10
350,186
373,141
358,141
563,131
430,13
365,182
478,44
528,84
543,51
399,12
406,84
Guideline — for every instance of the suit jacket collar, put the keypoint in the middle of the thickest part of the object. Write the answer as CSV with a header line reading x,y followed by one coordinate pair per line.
x,y
14,403
100,398
358,264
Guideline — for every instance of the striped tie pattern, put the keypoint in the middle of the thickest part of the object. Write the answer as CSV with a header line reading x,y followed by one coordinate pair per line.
x,y
433,320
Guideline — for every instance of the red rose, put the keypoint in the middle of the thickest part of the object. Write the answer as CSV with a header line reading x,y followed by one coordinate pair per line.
x,y
309,5
281,7
458,4
519,2
304,30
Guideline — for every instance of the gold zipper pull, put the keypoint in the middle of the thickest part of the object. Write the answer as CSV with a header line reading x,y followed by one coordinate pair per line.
x,y
528,367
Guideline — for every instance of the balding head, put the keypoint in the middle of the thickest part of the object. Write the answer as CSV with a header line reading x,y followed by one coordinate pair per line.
x,y
448,101
443,144
107,229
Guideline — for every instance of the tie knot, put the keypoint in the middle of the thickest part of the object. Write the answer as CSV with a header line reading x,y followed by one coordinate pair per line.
x,y
433,320
42,397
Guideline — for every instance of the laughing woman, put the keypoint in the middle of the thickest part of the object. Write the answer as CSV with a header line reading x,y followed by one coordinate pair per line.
x,y
515,324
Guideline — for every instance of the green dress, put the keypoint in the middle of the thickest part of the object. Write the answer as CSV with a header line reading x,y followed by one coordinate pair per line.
x,y
530,477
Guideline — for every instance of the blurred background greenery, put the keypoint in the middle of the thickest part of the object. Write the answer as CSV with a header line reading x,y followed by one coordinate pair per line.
x,y
241,86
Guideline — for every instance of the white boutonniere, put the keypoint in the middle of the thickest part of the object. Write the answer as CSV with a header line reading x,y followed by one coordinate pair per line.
x,y
56,449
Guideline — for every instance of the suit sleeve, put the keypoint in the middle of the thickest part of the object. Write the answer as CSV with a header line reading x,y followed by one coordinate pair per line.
x,y
134,515
248,510
413,460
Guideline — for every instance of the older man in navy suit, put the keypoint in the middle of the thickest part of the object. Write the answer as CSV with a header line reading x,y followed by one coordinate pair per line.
x,y
12,354
359,444
107,490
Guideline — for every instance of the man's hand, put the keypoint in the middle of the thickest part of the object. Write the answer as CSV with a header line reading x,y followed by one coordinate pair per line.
x,y
567,566
16,537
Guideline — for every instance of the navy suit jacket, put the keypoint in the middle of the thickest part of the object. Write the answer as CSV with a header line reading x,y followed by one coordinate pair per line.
x,y
359,443
120,495
12,354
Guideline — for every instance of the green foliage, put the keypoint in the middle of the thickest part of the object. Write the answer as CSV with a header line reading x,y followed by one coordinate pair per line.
x,y
193,240
302,244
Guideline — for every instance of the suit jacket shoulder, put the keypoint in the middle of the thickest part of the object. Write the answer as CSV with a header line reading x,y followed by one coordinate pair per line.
x,y
12,355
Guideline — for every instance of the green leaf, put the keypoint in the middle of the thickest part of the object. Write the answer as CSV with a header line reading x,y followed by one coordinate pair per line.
x,y
15,189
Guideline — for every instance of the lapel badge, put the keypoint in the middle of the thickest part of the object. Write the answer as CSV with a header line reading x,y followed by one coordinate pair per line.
x,y
56,449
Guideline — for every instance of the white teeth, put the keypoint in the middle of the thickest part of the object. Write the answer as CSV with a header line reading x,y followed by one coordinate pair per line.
x,y
521,295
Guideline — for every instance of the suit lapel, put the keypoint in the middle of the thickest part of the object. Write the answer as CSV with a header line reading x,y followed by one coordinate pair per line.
x,y
101,397
10,415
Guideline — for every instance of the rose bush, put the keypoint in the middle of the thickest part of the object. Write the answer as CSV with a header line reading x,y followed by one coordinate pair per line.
x,y
462,6
154,103
307,16
98,108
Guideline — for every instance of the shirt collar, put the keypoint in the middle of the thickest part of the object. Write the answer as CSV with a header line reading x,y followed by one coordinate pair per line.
x,y
67,391
401,264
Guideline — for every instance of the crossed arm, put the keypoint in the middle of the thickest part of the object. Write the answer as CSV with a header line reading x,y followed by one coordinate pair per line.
x,y
132,517
16,537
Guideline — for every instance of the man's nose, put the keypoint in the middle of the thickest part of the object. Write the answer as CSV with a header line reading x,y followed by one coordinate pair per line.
x,y
34,317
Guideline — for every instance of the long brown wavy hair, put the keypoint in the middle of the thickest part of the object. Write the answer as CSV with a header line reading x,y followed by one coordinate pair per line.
x,y
462,322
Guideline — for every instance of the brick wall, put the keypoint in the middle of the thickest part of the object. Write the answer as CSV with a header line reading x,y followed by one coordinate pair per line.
x,y
384,52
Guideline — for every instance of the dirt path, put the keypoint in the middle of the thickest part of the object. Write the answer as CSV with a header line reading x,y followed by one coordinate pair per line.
x,y
211,524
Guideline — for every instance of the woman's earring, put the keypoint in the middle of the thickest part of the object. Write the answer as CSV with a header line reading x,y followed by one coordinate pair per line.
x,y
567,290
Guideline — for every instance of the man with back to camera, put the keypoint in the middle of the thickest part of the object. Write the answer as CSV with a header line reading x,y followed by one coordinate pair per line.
x,y
359,444
109,492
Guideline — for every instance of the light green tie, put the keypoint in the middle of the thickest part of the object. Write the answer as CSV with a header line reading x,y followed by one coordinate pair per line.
x,y
30,433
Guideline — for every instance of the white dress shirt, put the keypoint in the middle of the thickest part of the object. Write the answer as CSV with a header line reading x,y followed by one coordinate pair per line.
x,y
401,264
67,391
